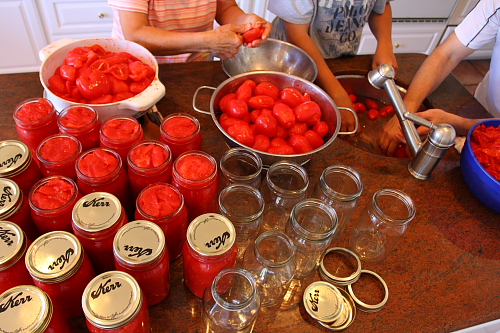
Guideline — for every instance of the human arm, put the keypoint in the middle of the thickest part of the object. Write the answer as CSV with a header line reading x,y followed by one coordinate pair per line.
x,y
430,75
381,27
437,116
298,34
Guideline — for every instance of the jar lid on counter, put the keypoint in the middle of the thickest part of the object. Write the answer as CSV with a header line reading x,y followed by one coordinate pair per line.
x,y
10,196
15,156
347,316
323,301
211,234
96,211
111,300
13,244
54,257
349,261
139,243
370,307
25,308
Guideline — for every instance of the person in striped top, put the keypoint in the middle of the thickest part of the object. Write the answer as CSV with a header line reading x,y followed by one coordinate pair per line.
x,y
183,30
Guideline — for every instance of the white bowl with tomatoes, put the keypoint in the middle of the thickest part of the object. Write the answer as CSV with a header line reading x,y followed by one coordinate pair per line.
x,y
80,67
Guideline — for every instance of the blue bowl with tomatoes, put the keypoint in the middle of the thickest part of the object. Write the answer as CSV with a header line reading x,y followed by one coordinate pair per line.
x,y
478,146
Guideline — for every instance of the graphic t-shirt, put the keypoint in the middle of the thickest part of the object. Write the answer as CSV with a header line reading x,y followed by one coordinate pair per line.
x,y
335,25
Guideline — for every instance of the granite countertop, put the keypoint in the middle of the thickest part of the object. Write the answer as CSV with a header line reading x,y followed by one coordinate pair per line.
x,y
442,276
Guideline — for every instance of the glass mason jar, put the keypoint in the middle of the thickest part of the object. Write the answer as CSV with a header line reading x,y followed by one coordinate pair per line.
x,y
26,309
195,175
13,246
17,164
240,165
139,250
35,119
209,249
96,218
57,155
120,133
382,224
59,267
340,186
311,227
15,207
285,185
163,204
243,205
101,170
231,303
82,122
271,261
114,302
149,162
51,200
181,132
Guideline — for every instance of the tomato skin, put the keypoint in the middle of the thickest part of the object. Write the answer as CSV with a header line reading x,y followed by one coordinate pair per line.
x,y
298,128
68,72
139,86
57,85
281,150
137,71
223,103
371,104
353,98
300,144
306,110
389,109
321,128
94,85
104,99
400,151
261,102
291,97
253,34
245,90
237,108
373,114
314,119
120,71
262,142
226,121
284,115
314,139
253,115
267,125
268,89
382,113
118,86
242,133
359,107
282,133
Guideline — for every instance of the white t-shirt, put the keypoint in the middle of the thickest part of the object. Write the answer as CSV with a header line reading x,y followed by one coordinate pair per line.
x,y
480,27
335,25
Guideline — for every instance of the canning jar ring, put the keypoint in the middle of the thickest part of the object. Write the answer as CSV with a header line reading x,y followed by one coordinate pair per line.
x,y
342,281
370,307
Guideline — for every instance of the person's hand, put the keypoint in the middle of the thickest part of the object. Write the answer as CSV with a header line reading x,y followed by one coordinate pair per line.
x,y
384,55
347,118
388,140
225,40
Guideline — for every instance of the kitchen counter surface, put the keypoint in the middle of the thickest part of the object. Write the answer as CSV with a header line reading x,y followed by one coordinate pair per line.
x,y
444,274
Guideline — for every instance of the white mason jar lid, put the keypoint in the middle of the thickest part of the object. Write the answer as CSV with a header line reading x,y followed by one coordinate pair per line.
x,y
10,194
13,244
323,301
96,211
211,234
15,156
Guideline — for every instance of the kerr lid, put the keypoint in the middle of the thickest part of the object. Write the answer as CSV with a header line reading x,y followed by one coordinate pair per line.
x,y
111,299
25,309
12,244
54,257
10,194
211,234
347,316
323,301
96,211
139,242
15,156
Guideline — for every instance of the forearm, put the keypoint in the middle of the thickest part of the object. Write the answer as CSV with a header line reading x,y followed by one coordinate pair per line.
x,y
228,12
381,27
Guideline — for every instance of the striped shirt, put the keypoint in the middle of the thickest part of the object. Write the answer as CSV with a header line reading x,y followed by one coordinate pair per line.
x,y
171,15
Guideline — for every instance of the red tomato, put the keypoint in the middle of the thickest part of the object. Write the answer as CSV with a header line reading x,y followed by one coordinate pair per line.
x,y
268,89
226,121
281,150
314,139
307,97
237,108
389,109
400,151
100,65
137,87
291,97
123,95
93,86
253,115
261,143
224,100
104,99
242,133
298,128
321,128
373,114
120,71
261,102
253,34
382,113
277,142
68,72
315,118
57,85
300,144
118,86
284,115
371,104
137,71
359,107
282,133
353,98
306,110
267,125
245,90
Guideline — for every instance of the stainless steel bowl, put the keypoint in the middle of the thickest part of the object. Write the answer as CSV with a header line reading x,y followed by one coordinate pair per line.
x,y
330,111
273,55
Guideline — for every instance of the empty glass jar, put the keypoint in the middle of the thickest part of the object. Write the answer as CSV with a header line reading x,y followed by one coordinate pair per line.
x,y
240,165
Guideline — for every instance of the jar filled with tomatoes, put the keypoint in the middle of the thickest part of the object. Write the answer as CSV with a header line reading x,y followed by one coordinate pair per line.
x,y
57,155
120,133
83,123
181,132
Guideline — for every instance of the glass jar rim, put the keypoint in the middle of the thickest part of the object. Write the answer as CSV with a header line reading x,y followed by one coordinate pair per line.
x,y
310,235
183,115
246,153
398,194
81,130
114,141
179,177
142,170
46,119
44,181
112,175
241,187
348,171
277,235
74,156
294,167
155,218
234,271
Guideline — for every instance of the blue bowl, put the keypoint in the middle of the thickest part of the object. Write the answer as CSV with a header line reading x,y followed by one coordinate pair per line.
x,y
483,185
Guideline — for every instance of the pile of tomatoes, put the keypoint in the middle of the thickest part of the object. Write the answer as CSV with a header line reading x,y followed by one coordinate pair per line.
x,y
271,120
485,143
92,75
371,107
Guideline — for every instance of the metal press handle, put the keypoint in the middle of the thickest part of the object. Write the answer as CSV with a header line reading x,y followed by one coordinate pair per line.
x,y
196,95
356,125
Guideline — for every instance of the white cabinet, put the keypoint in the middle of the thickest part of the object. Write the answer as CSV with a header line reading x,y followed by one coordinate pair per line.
x,y
407,37
21,36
